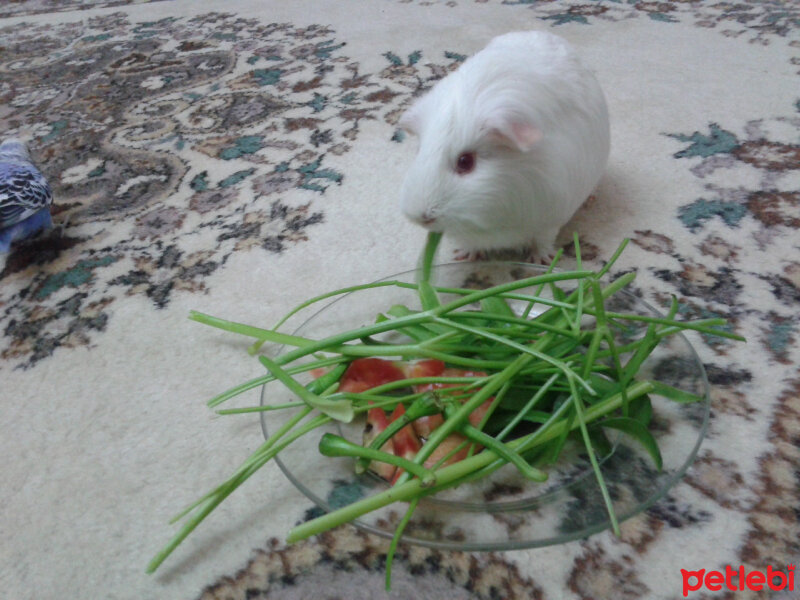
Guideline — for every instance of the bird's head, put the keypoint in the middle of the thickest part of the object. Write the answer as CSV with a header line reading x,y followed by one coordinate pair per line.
x,y
14,148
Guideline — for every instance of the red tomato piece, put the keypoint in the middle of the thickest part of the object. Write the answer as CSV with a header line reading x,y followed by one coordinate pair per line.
x,y
376,423
424,426
449,372
366,373
462,373
319,372
448,444
406,443
476,416
425,368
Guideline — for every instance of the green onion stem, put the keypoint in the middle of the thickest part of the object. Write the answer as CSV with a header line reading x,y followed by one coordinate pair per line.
x,y
553,365
426,273
527,323
701,326
201,509
264,379
544,357
576,324
255,409
452,474
427,293
423,406
498,399
337,409
462,413
404,383
538,292
304,348
503,451
578,404
528,406
335,445
398,533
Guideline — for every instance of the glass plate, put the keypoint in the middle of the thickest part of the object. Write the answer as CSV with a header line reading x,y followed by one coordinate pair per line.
x,y
504,511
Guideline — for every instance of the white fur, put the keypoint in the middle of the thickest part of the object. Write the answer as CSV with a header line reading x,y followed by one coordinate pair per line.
x,y
538,122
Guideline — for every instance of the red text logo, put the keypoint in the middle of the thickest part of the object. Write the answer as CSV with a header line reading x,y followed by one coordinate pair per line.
x,y
773,579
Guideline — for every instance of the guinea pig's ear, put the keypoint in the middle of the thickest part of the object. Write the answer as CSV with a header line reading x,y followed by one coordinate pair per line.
x,y
411,120
513,133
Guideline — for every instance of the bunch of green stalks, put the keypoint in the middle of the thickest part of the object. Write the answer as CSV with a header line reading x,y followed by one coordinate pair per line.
x,y
558,374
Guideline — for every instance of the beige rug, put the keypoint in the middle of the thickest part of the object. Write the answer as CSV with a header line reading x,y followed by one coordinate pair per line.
x,y
237,156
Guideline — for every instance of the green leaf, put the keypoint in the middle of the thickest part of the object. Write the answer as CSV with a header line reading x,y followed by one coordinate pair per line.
x,y
641,409
603,385
637,431
420,332
557,445
674,394
600,442
341,410
417,333
536,416
497,305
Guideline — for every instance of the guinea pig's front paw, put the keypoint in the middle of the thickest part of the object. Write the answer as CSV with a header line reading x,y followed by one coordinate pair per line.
x,y
542,251
534,257
469,255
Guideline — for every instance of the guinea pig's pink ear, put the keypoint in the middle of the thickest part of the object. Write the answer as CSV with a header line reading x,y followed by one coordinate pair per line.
x,y
515,134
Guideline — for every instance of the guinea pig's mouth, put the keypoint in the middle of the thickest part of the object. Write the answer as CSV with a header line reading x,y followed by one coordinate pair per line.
x,y
460,227
428,219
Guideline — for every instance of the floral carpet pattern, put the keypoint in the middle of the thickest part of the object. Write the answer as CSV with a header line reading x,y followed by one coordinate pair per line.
x,y
185,141
16,8
264,105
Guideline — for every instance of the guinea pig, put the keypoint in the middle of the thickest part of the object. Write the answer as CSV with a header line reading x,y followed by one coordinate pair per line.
x,y
510,145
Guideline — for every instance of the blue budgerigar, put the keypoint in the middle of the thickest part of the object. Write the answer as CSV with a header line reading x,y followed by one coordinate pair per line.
x,y
25,195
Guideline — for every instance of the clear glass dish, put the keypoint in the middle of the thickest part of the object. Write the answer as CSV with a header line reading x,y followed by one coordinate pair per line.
x,y
504,511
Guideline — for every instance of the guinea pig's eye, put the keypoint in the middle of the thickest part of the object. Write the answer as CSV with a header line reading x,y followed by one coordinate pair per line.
x,y
465,163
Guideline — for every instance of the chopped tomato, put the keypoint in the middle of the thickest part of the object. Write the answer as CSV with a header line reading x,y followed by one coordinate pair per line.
x,y
406,443
448,372
462,373
424,426
376,423
319,372
365,373
448,444
425,368
476,416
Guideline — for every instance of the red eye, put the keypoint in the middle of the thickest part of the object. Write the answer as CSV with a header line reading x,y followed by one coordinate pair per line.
x,y
465,163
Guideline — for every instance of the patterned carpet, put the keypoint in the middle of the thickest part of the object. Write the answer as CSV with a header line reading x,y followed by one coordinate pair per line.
x,y
235,157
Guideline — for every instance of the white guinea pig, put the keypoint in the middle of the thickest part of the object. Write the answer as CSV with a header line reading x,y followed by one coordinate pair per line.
x,y
510,145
